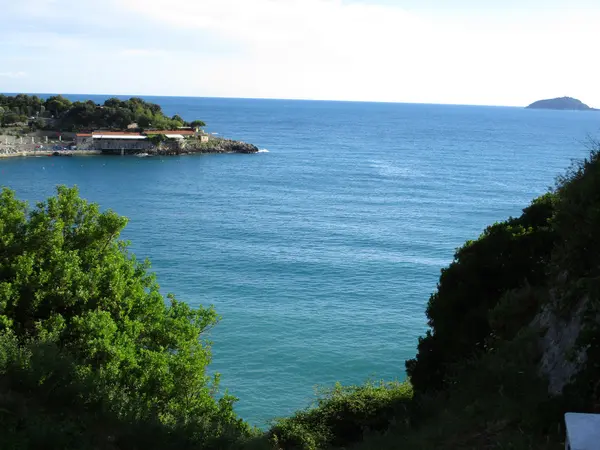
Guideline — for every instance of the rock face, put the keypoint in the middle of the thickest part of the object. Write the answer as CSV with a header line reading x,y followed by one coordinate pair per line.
x,y
561,360
224,146
212,146
561,103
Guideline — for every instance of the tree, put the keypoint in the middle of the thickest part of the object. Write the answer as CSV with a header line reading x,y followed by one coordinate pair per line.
x,y
144,121
11,118
87,115
38,124
69,286
57,104
197,124
113,103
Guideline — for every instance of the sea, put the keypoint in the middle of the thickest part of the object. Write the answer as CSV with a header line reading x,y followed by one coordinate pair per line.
x,y
321,251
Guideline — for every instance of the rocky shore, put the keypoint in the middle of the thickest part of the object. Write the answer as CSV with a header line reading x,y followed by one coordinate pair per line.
x,y
187,147
197,147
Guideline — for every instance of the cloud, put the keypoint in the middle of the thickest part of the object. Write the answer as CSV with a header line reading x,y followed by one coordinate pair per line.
x,y
13,74
290,26
333,49
142,52
319,49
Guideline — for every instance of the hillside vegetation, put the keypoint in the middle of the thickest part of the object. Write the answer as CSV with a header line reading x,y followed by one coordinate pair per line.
x,y
59,113
93,357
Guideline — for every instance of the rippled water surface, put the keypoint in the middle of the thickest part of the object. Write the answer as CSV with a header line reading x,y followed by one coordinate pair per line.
x,y
321,253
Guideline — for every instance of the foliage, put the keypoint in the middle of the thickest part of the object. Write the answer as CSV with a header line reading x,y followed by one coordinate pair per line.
x,y
343,415
86,334
113,114
57,105
576,263
19,107
157,138
197,124
507,256
579,209
118,114
496,401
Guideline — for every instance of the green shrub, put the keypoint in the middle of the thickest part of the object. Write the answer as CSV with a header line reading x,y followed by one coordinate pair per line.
x,y
343,415
577,219
576,261
86,334
508,255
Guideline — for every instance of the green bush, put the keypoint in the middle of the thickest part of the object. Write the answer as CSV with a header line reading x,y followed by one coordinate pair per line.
x,y
85,332
344,415
507,256
576,262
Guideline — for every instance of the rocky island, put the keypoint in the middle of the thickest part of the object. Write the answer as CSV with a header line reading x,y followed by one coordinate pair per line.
x,y
561,103
56,126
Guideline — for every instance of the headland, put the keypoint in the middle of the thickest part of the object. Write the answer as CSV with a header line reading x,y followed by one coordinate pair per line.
x,y
31,126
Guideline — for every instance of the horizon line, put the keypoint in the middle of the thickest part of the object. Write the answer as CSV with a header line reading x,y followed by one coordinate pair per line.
x,y
264,98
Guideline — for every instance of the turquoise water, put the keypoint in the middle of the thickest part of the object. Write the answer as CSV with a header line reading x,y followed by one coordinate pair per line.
x,y
321,254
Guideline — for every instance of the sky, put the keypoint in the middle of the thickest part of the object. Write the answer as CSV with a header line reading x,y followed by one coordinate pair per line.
x,y
479,52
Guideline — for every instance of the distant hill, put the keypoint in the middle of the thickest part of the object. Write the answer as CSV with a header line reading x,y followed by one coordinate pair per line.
x,y
564,103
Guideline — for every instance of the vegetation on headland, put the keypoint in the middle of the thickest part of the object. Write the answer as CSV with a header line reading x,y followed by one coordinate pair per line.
x,y
60,114
92,358
25,116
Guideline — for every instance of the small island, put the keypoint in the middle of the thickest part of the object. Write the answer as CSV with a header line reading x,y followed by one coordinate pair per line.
x,y
30,125
561,103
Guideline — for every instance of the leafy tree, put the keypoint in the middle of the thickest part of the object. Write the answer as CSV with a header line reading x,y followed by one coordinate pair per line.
x,y
22,104
113,114
70,290
113,103
12,117
37,124
144,121
197,123
57,104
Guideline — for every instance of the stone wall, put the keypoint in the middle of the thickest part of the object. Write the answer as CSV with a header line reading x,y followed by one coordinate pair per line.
x,y
121,144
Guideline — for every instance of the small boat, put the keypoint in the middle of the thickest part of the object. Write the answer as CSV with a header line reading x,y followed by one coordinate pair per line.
x,y
142,155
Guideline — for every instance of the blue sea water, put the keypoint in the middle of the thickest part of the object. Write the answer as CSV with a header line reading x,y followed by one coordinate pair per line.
x,y
321,254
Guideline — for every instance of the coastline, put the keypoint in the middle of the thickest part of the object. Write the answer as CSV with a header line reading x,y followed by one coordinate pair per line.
x,y
48,153
217,146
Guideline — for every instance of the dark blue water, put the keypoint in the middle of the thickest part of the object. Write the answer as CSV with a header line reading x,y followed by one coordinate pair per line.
x,y
321,254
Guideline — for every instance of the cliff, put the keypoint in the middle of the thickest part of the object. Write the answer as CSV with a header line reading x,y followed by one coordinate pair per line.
x,y
561,103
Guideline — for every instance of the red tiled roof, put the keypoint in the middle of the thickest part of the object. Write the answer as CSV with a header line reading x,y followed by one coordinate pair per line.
x,y
116,133
182,132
